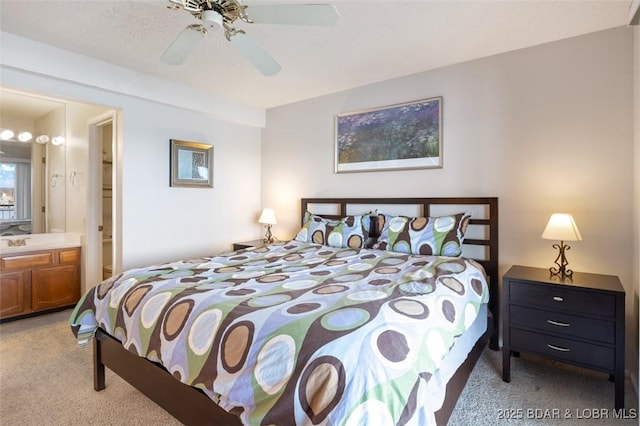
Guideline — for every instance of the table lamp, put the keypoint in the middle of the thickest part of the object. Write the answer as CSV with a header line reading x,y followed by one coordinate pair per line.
x,y
561,227
268,218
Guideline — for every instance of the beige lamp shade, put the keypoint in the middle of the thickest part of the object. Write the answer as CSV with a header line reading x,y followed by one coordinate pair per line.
x,y
561,227
267,217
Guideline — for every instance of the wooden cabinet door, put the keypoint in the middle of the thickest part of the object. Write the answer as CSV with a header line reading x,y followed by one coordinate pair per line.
x,y
54,287
12,297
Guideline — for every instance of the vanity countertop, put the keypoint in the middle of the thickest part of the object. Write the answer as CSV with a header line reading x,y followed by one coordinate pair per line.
x,y
35,242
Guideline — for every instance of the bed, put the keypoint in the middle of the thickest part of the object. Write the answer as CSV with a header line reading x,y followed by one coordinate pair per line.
x,y
327,328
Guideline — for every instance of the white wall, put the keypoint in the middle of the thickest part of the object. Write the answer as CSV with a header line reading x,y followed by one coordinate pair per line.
x,y
546,129
159,223
78,114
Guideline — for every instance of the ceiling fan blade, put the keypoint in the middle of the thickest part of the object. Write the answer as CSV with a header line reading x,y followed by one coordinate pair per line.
x,y
294,14
183,45
255,54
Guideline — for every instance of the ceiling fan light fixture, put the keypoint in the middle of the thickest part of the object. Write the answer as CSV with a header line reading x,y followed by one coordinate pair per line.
x,y
211,19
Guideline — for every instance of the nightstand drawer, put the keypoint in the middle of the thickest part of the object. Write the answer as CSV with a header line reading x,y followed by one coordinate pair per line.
x,y
562,323
567,300
563,349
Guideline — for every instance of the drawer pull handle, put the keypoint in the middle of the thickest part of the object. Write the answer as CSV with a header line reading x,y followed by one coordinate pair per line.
x,y
558,299
558,348
559,324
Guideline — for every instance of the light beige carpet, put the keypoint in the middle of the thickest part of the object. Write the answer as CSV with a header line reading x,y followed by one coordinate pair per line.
x,y
537,385
53,385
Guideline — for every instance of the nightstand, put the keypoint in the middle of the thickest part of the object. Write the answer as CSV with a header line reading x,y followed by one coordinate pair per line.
x,y
577,320
248,244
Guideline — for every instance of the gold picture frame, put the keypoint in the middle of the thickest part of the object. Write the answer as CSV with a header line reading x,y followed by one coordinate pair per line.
x,y
191,164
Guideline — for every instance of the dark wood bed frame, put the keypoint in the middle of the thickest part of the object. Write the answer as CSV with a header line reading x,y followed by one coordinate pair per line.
x,y
192,407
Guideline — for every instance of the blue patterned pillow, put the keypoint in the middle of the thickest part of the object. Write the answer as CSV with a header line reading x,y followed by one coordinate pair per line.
x,y
438,236
350,231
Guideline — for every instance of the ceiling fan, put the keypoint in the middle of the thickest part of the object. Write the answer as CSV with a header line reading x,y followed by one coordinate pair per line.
x,y
222,14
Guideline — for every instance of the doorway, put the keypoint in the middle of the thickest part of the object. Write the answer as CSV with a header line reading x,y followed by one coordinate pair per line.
x,y
107,199
103,237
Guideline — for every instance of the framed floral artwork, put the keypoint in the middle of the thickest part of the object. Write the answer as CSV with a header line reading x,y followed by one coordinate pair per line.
x,y
401,136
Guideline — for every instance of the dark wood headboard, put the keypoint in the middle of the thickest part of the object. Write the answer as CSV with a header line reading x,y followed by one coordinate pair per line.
x,y
486,240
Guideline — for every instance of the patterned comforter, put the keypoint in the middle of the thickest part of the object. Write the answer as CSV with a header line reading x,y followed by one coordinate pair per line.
x,y
295,333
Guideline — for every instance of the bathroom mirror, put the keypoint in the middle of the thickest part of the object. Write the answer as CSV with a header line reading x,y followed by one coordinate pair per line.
x,y
32,164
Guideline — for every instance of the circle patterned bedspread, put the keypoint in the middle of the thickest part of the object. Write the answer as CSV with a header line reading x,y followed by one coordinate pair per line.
x,y
295,333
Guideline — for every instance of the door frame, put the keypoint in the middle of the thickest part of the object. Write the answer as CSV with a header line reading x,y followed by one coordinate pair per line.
x,y
94,244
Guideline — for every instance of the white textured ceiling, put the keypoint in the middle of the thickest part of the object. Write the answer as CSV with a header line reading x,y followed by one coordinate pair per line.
x,y
373,41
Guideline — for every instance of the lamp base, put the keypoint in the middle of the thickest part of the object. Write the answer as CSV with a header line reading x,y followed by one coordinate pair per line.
x,y
268,236
561,261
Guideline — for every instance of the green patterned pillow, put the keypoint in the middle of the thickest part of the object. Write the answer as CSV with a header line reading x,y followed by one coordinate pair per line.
x,y
438,236
350,231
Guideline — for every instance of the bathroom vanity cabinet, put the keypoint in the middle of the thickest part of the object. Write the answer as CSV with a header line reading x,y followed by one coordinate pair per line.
x,y
38,281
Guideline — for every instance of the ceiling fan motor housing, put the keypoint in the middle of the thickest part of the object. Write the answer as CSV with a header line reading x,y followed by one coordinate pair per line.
x,y
211,19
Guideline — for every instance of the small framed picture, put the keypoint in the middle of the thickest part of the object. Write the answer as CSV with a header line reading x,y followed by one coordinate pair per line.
x,y
191,164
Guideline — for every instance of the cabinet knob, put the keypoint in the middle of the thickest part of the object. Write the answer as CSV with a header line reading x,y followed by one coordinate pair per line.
x,y
558,299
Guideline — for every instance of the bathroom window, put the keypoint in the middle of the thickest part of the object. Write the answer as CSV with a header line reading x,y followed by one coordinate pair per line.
x,y
13,177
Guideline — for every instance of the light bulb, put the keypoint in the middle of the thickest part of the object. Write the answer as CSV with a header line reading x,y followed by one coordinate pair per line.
x,y
6,134
42,139
57,140
25,136
212,19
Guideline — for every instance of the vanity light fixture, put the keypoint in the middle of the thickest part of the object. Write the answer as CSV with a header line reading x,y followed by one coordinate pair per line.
x,y
561,227
268,218
24,136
